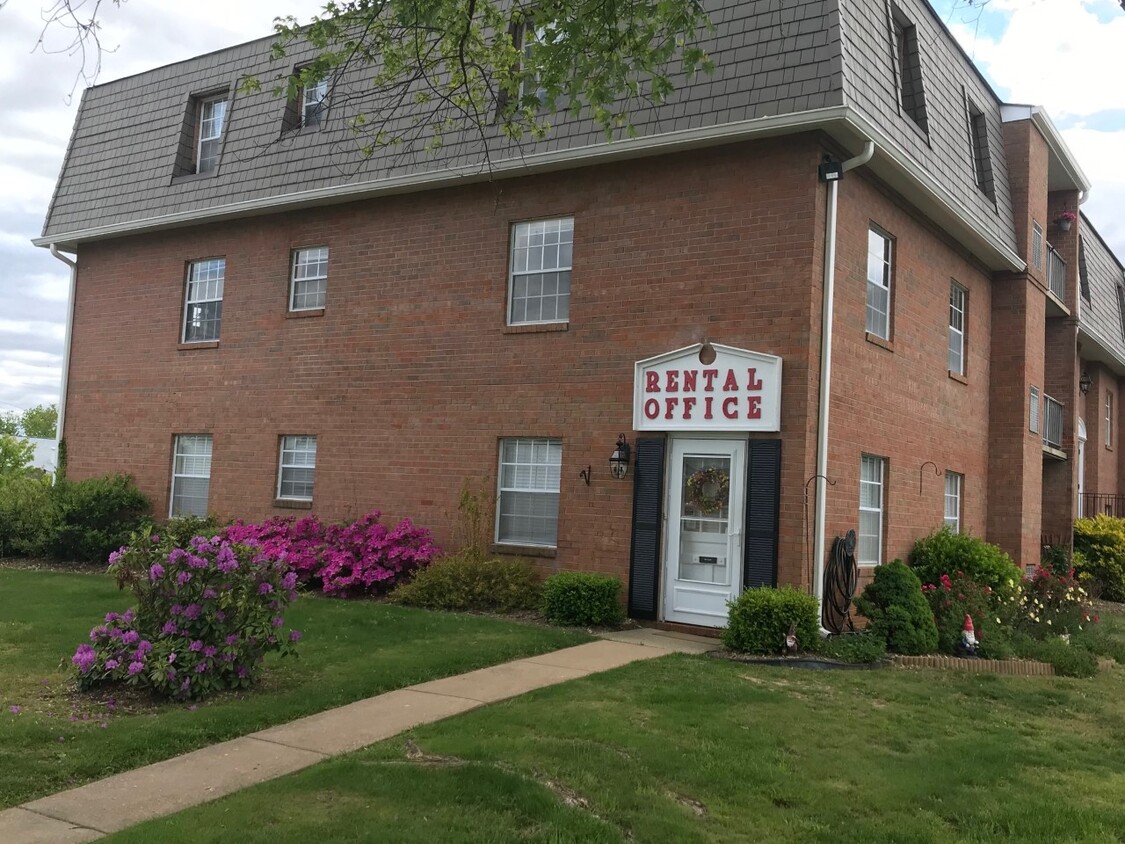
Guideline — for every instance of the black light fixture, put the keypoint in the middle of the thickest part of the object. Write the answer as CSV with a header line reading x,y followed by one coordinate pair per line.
x,y
1085,382
830,170
619,461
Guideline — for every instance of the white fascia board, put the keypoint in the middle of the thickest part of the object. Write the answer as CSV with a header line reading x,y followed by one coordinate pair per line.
x,y
1105,350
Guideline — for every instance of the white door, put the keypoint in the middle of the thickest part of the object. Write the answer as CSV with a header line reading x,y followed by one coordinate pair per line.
x,y
1081,463
703,541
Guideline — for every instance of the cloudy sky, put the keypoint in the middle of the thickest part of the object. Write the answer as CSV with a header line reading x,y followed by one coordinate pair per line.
x,y
1062,54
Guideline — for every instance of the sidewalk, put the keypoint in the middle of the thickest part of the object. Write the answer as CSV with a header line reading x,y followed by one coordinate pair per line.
x,y
91,811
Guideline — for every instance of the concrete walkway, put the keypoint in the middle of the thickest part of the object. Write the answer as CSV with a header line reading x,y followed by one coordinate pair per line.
x,y
123,800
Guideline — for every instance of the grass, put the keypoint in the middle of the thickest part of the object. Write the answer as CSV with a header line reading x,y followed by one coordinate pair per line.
x,y
690,749
350,650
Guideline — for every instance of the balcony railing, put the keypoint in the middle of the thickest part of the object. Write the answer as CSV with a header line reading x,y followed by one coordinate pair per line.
x,y
1093,503
1052,422
1056,273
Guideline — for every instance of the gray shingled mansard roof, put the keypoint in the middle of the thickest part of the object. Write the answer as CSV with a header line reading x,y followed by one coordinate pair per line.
x,y
1101,320
781,66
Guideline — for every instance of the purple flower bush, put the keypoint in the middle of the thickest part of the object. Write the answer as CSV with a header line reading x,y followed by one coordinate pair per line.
x,y
206,616
361,558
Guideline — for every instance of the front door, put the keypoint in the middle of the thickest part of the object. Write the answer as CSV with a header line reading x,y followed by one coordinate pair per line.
x,y
703,541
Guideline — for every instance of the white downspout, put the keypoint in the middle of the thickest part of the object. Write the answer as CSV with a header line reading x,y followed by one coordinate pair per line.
x,y
826,379
66,344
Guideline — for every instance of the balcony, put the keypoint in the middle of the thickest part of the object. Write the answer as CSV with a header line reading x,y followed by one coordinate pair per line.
x,y
1056,273
1109,504
1053,427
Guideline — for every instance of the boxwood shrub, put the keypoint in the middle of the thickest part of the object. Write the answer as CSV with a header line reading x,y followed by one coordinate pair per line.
x,y
898,611
759,620
582,599
470,583
1099,555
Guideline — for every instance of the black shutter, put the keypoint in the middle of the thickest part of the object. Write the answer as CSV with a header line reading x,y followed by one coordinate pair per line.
x,y
763,498
644,555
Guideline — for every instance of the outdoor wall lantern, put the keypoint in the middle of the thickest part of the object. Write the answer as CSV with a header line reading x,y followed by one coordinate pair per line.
x,y
619,461
1084,382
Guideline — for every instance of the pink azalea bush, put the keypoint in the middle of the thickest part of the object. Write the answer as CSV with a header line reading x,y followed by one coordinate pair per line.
x,y
363,557
206,616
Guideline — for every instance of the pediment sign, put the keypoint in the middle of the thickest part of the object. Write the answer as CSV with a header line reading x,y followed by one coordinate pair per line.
x,y
739,390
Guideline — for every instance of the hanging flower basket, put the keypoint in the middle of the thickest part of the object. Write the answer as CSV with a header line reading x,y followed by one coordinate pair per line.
x,y
1064,220
708,489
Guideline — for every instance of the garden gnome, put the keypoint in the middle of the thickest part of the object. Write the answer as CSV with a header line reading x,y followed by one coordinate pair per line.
x,y
968,637
791,640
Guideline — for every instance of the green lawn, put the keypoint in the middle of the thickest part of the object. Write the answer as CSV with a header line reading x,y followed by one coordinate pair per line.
x,y
691,749
350,650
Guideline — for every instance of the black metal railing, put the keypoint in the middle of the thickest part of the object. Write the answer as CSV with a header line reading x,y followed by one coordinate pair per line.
x,y
1056,273
1052,422
1105,503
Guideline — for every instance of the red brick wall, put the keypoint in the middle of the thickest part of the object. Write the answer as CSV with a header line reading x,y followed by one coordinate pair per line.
x,y
410,377
897,400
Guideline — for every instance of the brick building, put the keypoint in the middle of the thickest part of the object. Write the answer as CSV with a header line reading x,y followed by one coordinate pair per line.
x,y
265,322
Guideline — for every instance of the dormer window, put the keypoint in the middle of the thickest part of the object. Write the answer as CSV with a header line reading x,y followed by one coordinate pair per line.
x,y
211,119
314,103
982,159
908,65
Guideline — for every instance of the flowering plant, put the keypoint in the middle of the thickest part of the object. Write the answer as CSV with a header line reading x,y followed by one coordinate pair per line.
x,y
957,595
361,557
1054,604
206,616
1067,217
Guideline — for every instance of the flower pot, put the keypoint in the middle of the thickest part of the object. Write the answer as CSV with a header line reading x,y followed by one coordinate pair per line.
x,y
1064,225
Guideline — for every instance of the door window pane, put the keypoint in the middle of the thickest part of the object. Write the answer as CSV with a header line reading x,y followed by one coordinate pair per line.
x,y
705,519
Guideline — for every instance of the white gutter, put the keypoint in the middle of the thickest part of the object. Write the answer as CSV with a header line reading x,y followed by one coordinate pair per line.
x,y
66,345
826,379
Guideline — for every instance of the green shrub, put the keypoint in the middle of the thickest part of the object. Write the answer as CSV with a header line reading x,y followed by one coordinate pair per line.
x,y
27,515
1068,659
468,583
95,517
759,620
582,599
1099,555
853,647
898,611
957,596
945,552
179,530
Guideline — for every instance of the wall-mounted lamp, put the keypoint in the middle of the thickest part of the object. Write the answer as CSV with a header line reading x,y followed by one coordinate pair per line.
x,y
830,170
1085,382
619,461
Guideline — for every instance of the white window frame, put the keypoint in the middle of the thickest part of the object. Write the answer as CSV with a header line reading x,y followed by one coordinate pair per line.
x,y
178,443
314,103
880,484
529,256
308,267
880,271
1109,419
1036,245
958,309
206,279
291,445
210,128
550,472
1033,410
954,484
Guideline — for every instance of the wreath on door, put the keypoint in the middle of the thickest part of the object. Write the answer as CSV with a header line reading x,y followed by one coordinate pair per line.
x,y
708,489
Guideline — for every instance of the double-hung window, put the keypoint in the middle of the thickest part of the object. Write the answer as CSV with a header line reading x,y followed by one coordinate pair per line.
x,y
957,300
314,102
296,468
909,66
203,308
953,484
528,513
212,118
191,475
1109,419
1033,409
539,277
308,279
879,272
869,549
